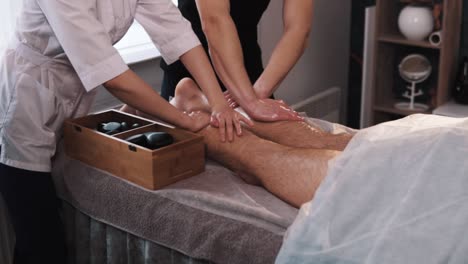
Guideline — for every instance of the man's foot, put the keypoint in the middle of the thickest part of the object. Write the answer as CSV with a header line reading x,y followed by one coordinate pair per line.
x,y
189,98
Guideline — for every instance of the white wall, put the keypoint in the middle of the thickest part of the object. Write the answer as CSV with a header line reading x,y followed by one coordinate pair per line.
x,y
325,62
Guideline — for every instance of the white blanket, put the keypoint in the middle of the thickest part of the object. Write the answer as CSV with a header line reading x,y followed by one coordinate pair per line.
x,y
397,194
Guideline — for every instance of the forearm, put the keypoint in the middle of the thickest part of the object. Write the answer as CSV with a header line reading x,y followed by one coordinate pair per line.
x,y
222,116
297,17
226,53
197,63
227,58
134,91
285,55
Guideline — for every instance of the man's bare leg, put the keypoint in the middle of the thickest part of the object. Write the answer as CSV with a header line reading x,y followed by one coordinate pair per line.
x,y
188,97
292,174
289,133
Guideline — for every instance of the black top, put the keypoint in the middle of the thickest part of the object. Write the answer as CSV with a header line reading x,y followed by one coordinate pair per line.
x,y
246,15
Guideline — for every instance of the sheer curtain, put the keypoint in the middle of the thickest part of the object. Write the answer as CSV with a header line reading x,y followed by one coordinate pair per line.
x,y
9,9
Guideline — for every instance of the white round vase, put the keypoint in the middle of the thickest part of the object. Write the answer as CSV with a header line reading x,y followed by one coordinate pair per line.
x,y
416,22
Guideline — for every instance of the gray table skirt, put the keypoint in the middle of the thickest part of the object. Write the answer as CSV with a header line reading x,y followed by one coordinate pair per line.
x,y
93,242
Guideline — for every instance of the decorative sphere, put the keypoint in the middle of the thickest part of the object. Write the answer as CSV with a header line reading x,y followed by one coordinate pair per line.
x,y
416,22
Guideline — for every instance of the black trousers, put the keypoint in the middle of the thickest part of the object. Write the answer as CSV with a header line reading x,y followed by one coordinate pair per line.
x,y
33,207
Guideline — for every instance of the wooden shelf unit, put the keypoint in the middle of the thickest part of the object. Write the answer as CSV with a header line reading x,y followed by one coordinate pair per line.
x,y
399,39
391,46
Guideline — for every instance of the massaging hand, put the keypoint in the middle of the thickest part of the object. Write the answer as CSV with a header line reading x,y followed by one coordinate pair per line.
x,y
225,118
267,110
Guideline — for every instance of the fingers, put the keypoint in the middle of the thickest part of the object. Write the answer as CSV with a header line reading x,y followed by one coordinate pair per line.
x,y
229,124
232,103
280,111
288,114
299,118
229,128
294,115
282,103
246,120
235,125
214,122
228,96
238,125
222,129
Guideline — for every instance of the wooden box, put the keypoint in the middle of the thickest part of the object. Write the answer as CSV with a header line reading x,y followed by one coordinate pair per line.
x,y
152,169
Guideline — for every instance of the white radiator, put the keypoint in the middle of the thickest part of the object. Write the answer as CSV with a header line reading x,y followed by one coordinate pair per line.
x,y
368,68
324,105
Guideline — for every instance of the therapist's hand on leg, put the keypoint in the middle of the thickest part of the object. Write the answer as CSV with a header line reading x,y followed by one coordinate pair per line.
x,y
266,110
269,110
226,119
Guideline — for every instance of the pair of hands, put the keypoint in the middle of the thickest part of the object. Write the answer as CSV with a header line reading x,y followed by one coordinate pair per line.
x,y
228,121
266,110
225,119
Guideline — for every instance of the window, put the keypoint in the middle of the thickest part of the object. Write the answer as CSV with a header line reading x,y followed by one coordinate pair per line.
x,y
136,46
8,11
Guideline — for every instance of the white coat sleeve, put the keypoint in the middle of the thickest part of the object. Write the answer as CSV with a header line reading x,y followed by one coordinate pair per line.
x,y
169,30
84,40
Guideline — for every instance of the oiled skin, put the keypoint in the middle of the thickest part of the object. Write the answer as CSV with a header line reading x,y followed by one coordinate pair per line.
x,y
297,134
288,158
300,134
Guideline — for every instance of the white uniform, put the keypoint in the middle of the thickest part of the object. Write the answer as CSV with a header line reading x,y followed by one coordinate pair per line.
x,y
62,51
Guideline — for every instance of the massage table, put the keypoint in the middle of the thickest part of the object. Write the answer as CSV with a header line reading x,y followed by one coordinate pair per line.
x,y
213,217
396,185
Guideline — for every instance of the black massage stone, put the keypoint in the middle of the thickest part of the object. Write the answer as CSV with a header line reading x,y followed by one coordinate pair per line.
x,y
138,139
151,140
158,139
124,126
109,128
